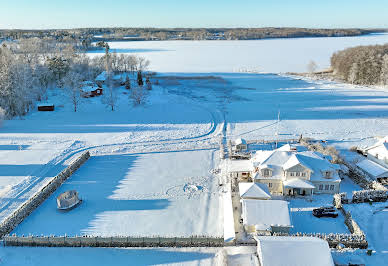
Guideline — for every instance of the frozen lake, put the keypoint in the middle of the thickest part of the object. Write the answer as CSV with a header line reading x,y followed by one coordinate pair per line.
x,y
270,55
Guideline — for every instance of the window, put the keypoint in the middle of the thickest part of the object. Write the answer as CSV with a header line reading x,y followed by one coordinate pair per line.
x,y
297,173
327,174
292,174
303,174
266,172
269,184
331,187
320,187
326,187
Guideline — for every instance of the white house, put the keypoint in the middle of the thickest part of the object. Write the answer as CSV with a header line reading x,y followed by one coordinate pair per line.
x,y
241,169
295,173
101,78
373,170
251,190
240,145
265,216
379,152
293,251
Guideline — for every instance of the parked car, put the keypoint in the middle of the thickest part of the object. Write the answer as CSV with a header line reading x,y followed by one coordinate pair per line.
x,y
325,212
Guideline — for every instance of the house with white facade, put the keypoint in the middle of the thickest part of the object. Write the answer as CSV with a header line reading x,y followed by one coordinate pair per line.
x,y
293,251
240,145
379,152
374,170
265,216
240,169
295,173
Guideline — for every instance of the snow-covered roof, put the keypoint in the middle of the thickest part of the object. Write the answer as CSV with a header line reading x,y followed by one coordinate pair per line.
x,y
293,251
292,147
89,88
254,190
240,166
102,76
298,183
293,161
240,141
279,161
373,168
45,104
265,213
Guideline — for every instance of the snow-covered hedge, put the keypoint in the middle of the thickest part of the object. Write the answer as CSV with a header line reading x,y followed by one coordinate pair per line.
x,y
369,195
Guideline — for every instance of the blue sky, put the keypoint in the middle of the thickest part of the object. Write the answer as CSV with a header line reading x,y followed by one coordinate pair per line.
x,y
38,14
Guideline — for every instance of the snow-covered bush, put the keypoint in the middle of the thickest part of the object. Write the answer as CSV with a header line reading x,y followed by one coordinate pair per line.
x,y
221,257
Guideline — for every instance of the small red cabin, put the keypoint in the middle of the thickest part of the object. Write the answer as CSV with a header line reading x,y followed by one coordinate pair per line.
x,y
92,93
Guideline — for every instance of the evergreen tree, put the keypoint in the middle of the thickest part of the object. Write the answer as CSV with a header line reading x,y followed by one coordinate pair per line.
x,y
127,83
140,78
148,84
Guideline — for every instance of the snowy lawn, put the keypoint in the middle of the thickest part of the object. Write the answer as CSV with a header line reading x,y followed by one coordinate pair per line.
x,y
40,256
373,220
305,222
167,194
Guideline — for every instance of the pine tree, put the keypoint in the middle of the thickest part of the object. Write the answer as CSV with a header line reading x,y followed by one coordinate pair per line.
x,y
140,78
127,83
148,84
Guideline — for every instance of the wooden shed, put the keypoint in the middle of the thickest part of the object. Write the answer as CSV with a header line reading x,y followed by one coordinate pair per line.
x,y
46,107
91,92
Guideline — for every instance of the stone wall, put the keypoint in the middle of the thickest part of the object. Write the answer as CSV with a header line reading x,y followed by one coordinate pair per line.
x,y
348,240
86,241
30,205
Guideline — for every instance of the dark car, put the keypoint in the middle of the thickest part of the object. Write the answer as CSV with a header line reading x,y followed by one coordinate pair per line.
x,y
325,212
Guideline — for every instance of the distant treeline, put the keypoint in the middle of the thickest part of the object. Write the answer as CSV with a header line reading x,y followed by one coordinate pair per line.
x,y
88,35
363,65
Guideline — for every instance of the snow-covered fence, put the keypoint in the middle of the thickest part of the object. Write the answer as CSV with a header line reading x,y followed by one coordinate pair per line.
x,y
96,241
348,240
30,205
352,225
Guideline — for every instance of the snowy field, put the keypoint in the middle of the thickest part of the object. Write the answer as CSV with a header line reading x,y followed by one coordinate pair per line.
x,y
150,173
165,194
270,55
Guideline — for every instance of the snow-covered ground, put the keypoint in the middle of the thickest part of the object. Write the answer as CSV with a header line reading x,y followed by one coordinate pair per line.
x,y
305,222
165,194
270,55
150,173
39,256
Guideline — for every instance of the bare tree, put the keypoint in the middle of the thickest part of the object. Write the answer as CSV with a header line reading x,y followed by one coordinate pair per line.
x,y
312,67
72,85
2,116
384,71
138,95
353,73
110,97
